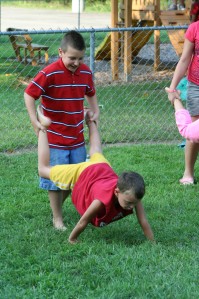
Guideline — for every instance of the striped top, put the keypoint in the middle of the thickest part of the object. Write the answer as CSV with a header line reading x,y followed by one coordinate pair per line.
x,y
62,96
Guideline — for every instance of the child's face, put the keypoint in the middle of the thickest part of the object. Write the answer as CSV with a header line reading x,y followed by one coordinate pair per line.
x,y
126,200
72,58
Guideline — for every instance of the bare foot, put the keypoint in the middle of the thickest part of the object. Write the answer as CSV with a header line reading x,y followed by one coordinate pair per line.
x,y
58,224
186,181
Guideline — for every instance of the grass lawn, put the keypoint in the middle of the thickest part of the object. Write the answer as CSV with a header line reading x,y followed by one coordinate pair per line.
x,y
113,262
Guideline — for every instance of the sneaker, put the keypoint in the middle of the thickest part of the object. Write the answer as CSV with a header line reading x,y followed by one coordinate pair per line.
x,y
173,7
181,7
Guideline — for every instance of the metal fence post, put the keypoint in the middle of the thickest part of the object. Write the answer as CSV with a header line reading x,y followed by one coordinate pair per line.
x,y
92,52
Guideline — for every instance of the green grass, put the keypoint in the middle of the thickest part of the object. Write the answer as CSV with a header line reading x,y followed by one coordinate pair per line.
x,y
112,262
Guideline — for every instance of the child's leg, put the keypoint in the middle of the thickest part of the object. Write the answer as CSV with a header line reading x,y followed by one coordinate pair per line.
x,y
94,137
191,153
56,201
43,155
56,197
44,121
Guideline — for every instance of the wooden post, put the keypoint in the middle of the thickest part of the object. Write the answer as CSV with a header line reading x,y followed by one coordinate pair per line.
x,y
114,41
157,35
188,4
127,39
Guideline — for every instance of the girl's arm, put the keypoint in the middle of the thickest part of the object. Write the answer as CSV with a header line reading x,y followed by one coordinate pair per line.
x,y
140,213
90,213
180,70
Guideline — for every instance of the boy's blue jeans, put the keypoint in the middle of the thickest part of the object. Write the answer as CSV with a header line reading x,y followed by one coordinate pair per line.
x,y
58,157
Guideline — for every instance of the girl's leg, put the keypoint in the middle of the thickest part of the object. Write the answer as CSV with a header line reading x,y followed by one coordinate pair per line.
x,y
191,153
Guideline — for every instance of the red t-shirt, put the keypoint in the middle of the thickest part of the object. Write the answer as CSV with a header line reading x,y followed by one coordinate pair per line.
x,y
62,95
192,34
98,181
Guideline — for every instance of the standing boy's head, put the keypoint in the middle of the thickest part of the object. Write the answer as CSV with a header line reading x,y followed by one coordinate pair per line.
x,y
130,189
72,50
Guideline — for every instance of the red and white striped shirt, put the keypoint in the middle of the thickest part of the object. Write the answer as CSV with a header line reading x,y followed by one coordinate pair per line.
x,y
62,96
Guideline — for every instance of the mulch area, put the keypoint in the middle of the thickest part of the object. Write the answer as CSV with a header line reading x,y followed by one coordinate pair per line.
x,y
142,66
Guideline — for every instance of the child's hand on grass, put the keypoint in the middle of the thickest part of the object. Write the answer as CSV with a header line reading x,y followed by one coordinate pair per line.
x,y
73,241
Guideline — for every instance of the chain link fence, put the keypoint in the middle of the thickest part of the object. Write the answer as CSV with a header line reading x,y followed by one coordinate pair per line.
x,y
134,108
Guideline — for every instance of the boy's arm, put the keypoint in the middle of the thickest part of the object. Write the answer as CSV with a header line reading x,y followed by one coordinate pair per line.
x,y
30,105
143,221
91,212
180,70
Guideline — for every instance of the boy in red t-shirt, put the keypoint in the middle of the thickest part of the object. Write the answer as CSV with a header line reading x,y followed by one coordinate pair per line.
x,y
99,195
63,87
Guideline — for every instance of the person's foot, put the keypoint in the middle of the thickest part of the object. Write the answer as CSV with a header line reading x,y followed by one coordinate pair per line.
x,y
173,7
58,225
186,181
87,115
44,121
86,110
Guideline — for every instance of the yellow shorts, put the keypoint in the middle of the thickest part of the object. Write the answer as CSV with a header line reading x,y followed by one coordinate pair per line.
x,y
65,176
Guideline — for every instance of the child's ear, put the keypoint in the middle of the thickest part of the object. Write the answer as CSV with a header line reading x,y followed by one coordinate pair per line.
x,y
60,52
116,191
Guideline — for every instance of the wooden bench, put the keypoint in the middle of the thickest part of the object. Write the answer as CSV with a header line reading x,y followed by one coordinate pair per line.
x,y
24,42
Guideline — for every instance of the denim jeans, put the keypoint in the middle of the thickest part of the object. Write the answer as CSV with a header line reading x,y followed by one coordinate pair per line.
x,y
58,157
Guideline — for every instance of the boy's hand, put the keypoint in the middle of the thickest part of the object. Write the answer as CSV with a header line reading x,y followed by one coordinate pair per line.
x,y
88,114
95,118
95,207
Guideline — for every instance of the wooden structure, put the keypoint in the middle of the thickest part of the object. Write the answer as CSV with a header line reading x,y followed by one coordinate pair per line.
x,y
24,42
174,18
133,14
126,45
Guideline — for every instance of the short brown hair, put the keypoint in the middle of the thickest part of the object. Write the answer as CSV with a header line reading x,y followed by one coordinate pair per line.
x,y
132,181
73,39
